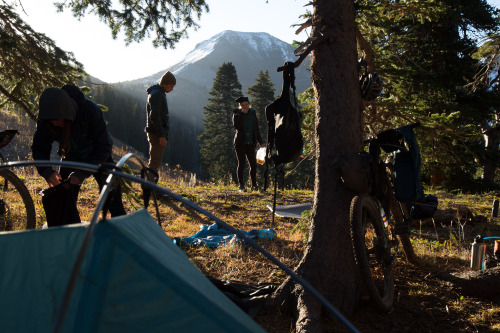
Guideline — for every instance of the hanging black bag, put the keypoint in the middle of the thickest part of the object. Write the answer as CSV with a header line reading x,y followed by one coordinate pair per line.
x,y
59,203
284,122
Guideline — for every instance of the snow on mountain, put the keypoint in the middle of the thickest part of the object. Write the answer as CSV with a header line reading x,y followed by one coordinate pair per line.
x,y
249,52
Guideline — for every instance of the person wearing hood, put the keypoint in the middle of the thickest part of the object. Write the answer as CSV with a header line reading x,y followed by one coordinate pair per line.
x,y
245,140
66,116
157,125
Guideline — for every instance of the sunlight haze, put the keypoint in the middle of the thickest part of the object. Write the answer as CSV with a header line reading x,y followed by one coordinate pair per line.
x,y
111,61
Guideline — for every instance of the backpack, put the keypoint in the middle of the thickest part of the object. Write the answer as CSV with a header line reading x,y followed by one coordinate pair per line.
x,y
283,123
407,162
283,130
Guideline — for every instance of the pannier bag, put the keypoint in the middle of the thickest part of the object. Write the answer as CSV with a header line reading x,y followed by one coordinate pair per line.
x,y
59,203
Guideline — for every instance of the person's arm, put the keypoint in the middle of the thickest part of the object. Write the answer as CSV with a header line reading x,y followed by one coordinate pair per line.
x,y
237,119
41,148
102,144
257,131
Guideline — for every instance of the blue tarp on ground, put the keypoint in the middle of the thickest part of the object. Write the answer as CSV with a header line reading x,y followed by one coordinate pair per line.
x,y
213,236
133,279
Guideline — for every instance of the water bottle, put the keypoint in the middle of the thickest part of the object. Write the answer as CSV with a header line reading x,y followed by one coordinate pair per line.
x,y
494,208
478,254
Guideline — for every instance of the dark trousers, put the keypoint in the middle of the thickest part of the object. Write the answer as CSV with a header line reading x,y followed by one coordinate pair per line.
x,y
114,202
246,152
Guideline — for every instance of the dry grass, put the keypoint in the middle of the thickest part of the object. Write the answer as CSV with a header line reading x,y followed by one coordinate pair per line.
x,y
424,302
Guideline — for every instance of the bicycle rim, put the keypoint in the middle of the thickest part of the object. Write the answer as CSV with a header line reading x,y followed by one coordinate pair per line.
x,y
372,251
17,211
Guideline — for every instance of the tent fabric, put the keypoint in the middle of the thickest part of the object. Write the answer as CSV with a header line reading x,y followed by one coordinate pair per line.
x,y
294,211
133,279
214,236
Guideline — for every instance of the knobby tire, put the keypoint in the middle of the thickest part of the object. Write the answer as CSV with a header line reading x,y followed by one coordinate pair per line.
x,y
372,251
28,215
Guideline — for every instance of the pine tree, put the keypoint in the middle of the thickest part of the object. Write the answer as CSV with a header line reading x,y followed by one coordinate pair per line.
x,y
261,94
423,50
216,140
29,63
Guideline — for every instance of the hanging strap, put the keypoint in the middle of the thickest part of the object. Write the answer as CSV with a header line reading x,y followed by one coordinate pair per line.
x,y
266,171
279,170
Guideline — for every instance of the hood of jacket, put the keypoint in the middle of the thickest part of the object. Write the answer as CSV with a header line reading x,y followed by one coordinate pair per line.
x,y
155,87
75,93
55,103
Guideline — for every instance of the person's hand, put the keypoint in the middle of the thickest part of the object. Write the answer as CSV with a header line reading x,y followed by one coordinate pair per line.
x,y
163,141
54,179
74,180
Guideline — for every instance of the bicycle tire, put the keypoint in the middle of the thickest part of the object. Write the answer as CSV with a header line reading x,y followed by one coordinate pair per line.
x,y
372,251
12,215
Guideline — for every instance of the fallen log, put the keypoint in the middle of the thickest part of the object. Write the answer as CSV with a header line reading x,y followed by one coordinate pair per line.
x,y
461,214
483,283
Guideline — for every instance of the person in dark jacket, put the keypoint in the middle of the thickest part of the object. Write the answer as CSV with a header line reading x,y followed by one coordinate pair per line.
x,y
245,140
157,118
66,116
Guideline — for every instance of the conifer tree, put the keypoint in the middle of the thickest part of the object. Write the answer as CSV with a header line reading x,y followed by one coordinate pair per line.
x,y
30,62
261,94
423,50
216,140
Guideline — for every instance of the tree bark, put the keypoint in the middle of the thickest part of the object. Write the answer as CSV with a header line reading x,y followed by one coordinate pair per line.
x,y
492,140
328,263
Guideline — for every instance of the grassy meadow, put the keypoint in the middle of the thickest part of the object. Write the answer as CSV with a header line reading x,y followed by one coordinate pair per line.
x,y
424,301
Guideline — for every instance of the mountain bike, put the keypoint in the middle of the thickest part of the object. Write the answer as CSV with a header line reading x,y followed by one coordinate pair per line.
x,y
378,221
17,211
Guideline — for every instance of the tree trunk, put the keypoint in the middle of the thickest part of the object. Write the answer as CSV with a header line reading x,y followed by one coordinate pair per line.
x,y
328,263
492,140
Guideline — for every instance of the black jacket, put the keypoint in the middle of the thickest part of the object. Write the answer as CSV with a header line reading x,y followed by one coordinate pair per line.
x,y
157,111
239,136
90,140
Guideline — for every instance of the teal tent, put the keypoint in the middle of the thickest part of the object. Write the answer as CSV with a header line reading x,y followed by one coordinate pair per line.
x,y
133,279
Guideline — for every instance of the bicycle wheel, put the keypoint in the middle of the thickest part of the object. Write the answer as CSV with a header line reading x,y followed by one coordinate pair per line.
x,y
372,251
17,211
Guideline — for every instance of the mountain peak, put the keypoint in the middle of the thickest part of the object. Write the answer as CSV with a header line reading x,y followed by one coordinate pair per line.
x,y
256,44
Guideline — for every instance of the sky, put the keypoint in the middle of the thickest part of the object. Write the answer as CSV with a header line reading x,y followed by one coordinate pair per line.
x,y
112,61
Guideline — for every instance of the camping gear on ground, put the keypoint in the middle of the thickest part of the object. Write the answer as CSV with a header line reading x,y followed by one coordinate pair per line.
x,y
250,297
478,254
132,279
293,211
261,155
59,203
215,236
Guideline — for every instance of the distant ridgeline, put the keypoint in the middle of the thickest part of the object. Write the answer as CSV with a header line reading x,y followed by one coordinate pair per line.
x,y
249,53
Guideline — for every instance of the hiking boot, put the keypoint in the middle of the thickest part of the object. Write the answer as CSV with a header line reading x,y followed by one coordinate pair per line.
x,y
242,189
